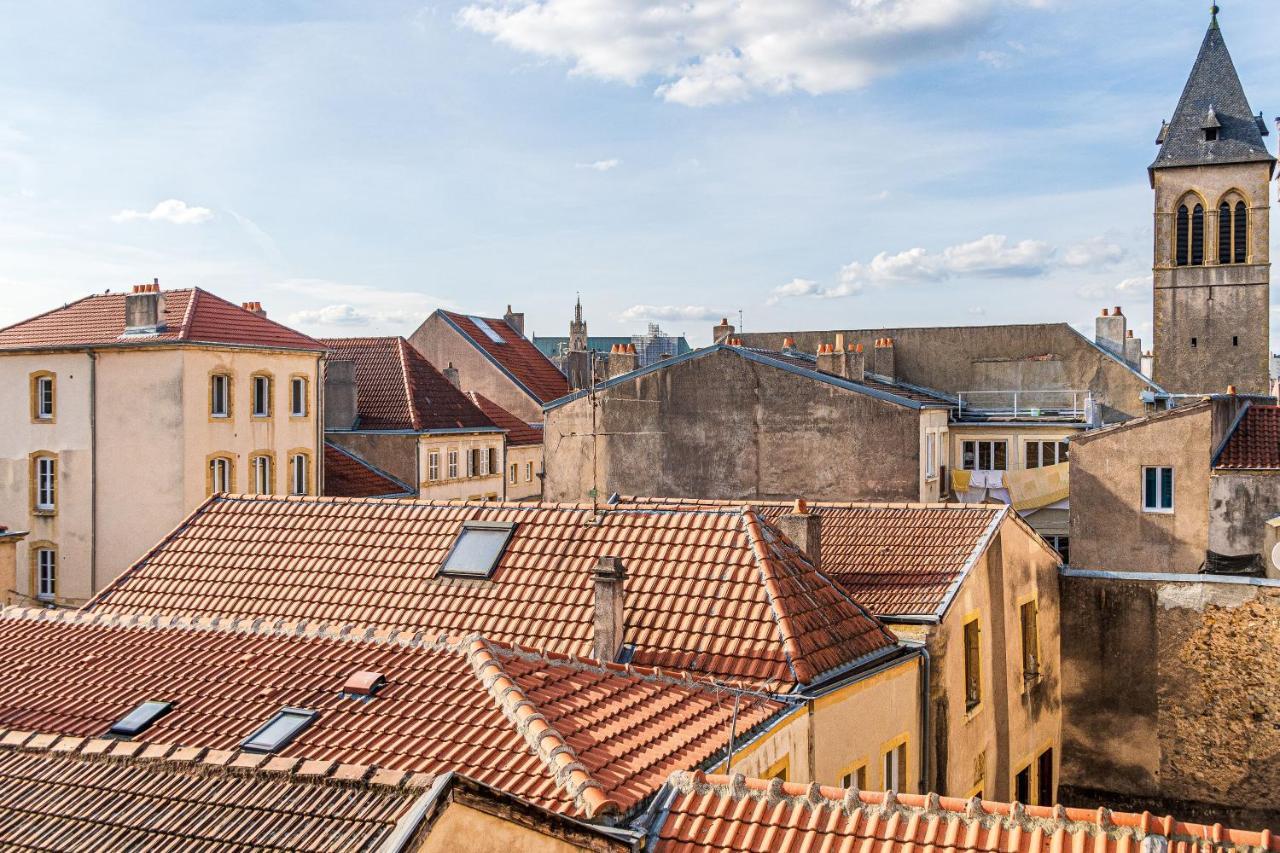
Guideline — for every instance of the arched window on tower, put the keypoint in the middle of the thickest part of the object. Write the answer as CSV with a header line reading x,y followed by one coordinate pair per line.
x,y
1181,236
1197,236
1224,233
1242,232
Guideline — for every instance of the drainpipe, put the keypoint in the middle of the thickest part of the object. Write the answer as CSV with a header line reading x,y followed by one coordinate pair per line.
x,y
93,473
925,745
318,465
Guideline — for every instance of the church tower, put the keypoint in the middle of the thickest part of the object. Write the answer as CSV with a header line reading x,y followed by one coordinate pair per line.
x,y
577,329
579,361
1212,209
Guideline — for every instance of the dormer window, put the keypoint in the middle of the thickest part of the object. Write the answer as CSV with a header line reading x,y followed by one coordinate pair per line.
x,y
477,550
1211,134
1211,126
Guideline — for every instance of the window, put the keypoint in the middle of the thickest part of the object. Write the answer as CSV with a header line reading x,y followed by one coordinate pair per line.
x,y
855,778
1061,544
1189,236
931,455
42,397
895,767
972,664
1224,233
299,474
528,472
1193,343
477,549
45,477
1241,232
298,397
220,396
433,465
1211,134
261,396
279,730
780,769
46,574
487,329
985,455
221,479
1197,236
495,467
1045,789
1235,340
1041,454
263,481
453,464
480,461
140,718
1030,641
513,474
1181,236
1022,786
1157,490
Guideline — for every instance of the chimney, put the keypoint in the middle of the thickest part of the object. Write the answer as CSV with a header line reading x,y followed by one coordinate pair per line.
x,y
857,363
451,373
340,396
885,364
721,333
254,308
515,321
804,528
610,615
623,358
788,344
1148,363
832,359
144,310
1133,350
1109,331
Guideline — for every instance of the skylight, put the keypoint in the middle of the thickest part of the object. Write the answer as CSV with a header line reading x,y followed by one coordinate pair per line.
x,y
279,730
478,548
140,718
487,329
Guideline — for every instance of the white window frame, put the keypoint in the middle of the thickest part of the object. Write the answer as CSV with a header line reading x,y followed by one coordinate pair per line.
x,y
220,395
930,455
452,457
894,771
44,398
484,460
219,469
298,397
298,474
46,483
256,381
513,475
977,453
46,574
1155,506
262,475
1060,450
528,472
433,465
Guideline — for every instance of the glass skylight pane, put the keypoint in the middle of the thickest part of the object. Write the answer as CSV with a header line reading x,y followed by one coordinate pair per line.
x,y
279,730
487,329
140,718
477,549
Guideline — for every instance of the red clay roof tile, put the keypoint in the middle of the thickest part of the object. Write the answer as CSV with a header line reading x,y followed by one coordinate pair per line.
x,y
519,433
1255,442
516,354
348,476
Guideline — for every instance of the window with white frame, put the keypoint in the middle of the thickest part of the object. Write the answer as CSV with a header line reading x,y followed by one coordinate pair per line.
x,y
985,455
453,464
1157,489
46,574
219,475
219,396
262,475
433,465
895,768
298,397
262,396
46,476
931,455
528,472
514,474
44,398
298,474
481,466
1041,454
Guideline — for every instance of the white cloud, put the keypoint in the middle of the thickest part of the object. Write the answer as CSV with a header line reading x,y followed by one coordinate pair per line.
x,y
171,210
1139,282
716,51
1095,252
343,305
600,165
795,287
690,313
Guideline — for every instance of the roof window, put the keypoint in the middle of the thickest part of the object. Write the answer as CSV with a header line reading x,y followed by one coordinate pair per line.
x,y
280,730
478,548
140,719
487,329
364,684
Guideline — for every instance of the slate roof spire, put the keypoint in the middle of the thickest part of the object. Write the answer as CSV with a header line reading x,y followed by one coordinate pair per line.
x,y
1213,90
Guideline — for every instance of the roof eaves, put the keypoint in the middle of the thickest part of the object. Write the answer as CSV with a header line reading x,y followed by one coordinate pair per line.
x,y
489,356
184,328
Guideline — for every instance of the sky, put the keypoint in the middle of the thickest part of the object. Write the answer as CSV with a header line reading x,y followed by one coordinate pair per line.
x,y
810,164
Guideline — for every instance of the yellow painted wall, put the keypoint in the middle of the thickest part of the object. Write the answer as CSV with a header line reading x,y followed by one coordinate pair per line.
x,y
521,457
462,829
462,487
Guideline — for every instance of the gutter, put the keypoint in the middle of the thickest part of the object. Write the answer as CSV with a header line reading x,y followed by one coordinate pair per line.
x,y
1169,577
444,431
926,745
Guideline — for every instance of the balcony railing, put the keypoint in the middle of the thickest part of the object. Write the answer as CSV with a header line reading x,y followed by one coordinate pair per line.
x,y
1033,405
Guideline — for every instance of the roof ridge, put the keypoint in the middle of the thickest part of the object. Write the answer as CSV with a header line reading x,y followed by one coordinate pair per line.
x,y
411,398
198,759
790,647
1049,820
547,743
189,314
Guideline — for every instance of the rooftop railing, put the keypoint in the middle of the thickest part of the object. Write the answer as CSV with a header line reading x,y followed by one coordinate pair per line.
x,y
1030,404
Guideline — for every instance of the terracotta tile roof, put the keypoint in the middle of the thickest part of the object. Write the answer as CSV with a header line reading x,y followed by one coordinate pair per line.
x,y
97,794
516,355
348,476
564,734
398,389
735,814
191,316
1255,443
712,591
896,559
519,433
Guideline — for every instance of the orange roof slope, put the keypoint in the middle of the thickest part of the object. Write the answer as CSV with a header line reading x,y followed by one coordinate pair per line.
x,y
348,476
516,355
712,591
563,734
190,316
98,794
519,433
1255,442
398,389
736,814
896,559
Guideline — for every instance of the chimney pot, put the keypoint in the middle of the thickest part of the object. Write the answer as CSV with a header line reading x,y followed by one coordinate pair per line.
x,y
1231,389
1130,333
1106,312
859,349
788,343
610,614
1117,311
801,507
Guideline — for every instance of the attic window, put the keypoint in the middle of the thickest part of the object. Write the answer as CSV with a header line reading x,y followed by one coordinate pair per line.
x,y
280,730
487,329
1211,134
477,550
140,719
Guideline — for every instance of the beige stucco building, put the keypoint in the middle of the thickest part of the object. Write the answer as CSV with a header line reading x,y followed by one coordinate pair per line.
x,y
125,411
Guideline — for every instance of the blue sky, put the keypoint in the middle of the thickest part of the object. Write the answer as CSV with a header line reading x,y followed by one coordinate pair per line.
x,y
813,164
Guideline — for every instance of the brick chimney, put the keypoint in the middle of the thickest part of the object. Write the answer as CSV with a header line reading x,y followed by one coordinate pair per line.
x,y
623,358
720,334
885,363
833,359
340,398
515,320
144,310
1133,350
1148,363
254,308
857,363
804,528
451,373
1109,331
610,614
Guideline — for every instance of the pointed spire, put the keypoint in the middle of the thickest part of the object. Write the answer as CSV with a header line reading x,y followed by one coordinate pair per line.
x,y
1213,16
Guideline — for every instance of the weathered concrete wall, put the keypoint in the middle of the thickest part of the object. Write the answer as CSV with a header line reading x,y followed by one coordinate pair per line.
x,y
1171,697
1109,529
442,345
395,454
994,358
722,426
1239,505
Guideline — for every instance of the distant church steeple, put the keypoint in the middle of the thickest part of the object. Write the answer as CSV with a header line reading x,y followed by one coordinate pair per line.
x,y
578,329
